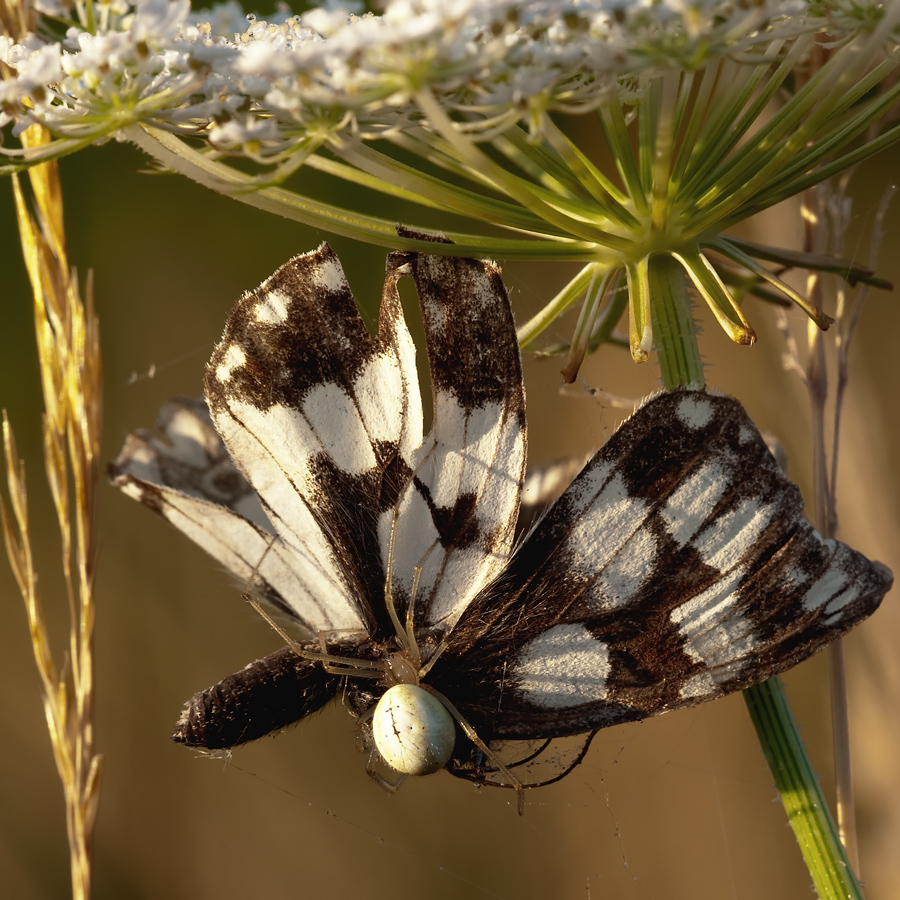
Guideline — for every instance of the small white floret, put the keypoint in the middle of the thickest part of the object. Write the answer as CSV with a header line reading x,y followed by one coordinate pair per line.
x,y
413,731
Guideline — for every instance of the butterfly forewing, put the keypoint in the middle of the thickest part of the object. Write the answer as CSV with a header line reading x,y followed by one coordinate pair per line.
x,y
455,522
315,409
675,568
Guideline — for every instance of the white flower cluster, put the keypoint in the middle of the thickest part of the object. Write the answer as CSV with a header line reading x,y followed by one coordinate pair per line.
x,y
332,76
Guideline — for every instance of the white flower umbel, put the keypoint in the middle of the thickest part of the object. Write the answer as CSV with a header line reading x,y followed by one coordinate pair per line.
x,y
475,91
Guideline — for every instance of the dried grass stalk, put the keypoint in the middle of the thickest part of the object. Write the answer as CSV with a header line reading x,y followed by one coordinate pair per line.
x,y
69,354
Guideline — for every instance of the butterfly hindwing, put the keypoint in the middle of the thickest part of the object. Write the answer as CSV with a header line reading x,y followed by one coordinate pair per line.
x,y
192,482
676,568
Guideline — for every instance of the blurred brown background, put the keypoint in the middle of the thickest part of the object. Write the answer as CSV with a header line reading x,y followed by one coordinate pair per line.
x,y
678,807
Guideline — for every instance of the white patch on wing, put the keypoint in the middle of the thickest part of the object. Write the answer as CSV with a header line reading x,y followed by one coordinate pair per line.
x,y
250,508
496,483
193,440
600,533
451,421
416,539
476,445
475,453
273,308
143,463
692,502
621,579
460,573
379,393
832,581
833,590
563,667
306,577
332,416
725,542
233,358
328,275
709,683
279,439
135,491
483,291
834,609
280,474
713,631
695,411
281,443
306,580
583,491
700,685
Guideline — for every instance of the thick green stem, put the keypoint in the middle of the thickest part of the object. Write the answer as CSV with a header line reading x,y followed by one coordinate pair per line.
x,y
675,339
674,331
800,792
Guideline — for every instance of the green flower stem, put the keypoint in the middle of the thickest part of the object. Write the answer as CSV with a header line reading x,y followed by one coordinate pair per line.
x,y
603,191
518,188
800,792
176,155
679,359
615,129
386,175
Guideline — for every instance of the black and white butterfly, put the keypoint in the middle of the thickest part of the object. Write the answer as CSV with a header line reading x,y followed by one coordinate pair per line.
x,y
676,567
